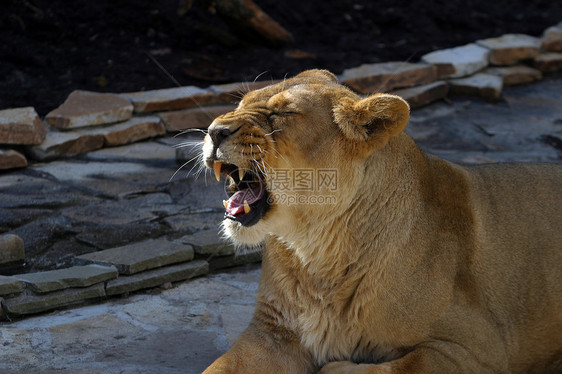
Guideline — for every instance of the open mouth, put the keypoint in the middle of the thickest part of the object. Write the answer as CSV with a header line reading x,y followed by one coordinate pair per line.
x,y
247,194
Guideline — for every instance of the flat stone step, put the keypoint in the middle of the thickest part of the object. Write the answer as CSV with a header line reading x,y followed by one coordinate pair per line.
x,y
31,304
156,277
170,99
509,49
423,95
21,126
518,74
12,250
137,257
548,62
459,61
551,40
58,144
133,130
248,256
487,86
10,285
85,108
76,276
10,159
209,242
193,118
383,77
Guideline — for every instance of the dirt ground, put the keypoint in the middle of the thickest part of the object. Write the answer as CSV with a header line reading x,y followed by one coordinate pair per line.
x,y
50,47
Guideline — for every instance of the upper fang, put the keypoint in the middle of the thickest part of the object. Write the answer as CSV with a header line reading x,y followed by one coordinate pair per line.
x,y
217,167
240,173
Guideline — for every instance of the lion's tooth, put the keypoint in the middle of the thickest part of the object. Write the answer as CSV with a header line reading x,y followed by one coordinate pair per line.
x,y
217,167
240,173
225,203
246,207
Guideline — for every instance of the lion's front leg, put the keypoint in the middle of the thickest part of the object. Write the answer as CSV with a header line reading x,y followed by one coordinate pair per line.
x,y
422,360
256,352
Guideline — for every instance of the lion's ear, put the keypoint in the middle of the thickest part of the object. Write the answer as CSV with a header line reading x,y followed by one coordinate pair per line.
x,y
323,75
377,117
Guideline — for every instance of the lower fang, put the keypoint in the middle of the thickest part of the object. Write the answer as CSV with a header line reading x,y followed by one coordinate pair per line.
x,y
247,208
225,203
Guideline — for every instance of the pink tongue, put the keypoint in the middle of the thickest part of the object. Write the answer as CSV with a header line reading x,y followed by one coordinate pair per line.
x,y
236,202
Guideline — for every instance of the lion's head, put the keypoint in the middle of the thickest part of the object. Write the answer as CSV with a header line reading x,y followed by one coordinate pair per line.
x,y
297,149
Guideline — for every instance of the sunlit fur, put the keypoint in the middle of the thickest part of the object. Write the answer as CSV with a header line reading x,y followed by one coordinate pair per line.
x,y
420,266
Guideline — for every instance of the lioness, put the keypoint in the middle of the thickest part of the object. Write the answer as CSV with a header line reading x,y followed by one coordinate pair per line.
x,y
408,264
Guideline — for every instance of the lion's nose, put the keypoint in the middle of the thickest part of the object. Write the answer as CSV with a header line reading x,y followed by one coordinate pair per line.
x,y
218,134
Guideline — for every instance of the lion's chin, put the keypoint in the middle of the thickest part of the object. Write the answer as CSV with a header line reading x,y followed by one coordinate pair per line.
x,y
242,235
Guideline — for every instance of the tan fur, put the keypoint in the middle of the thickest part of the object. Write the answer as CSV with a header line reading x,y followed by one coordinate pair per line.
x,y
421,266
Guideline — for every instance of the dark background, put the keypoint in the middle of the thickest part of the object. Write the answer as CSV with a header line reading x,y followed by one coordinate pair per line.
x,y
48,48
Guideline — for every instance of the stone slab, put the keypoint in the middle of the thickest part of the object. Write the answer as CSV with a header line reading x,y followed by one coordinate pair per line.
x,y
209,243
12,250
10,285
10,159
423,95
76,276
548,62
383,77
513,75
85,108
137,257
170,99
193,118
233,92
157,277
459,61
487,86
60,144
133,130
139,152
32,304
551,40
21,126
509,49
248,256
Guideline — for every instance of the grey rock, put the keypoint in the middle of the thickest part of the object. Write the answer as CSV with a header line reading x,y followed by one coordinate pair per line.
x,y
170,99
551,40
109,236
513,75
422,95
21,126
193,118
247,256
487,86
31,304
84,108
133,130
76,276
137,257
61,144
209,242
10,159
40,234
464,60
509,49
10,285
382,77
157,277
12,250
